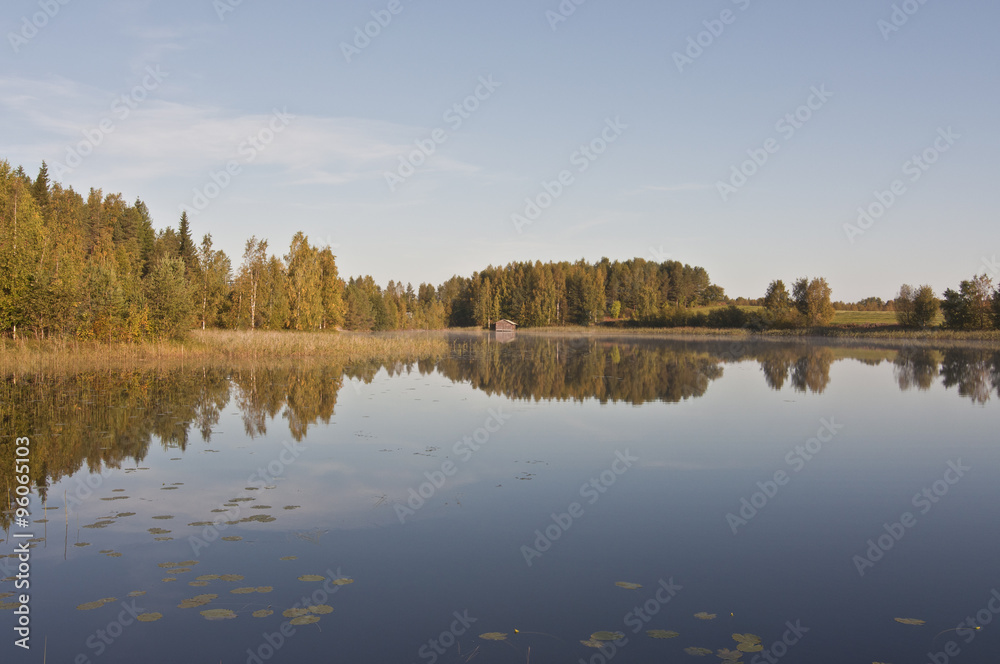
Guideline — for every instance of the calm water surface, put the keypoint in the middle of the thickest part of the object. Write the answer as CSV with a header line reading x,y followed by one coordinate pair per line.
x,y
806,494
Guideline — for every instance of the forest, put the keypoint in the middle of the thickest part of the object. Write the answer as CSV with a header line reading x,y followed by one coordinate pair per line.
x,y
94,268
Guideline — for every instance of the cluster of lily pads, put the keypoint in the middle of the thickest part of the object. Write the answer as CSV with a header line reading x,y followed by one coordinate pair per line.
x,y
745,643
298,616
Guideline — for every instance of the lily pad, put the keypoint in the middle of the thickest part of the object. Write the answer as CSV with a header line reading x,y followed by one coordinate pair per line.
x,y
231,577
267,589
910,621
591,643
311,577
305,620
626,584
699,652
218,614
729,655
294,613
196,601
198,584
263,613
148,617
208,577
607,636
242,591
321,609
703,615
662,634
494,636
157,531
96,604
342,582
232,538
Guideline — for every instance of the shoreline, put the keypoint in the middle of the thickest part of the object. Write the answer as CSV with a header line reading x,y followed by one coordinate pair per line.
x,y
26,355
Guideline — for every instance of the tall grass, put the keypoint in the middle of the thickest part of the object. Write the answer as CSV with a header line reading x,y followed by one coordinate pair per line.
x,y
213,346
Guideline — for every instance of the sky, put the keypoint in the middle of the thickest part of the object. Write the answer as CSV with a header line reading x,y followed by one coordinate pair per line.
x,y
854,140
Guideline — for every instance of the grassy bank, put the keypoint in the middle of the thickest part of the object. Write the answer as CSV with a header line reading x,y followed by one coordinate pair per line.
x,y
212,346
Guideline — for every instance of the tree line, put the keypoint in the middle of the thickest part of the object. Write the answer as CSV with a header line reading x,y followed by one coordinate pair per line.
x,y
94,267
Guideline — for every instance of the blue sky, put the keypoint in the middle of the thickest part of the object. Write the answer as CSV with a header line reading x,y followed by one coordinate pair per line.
x,y
266,89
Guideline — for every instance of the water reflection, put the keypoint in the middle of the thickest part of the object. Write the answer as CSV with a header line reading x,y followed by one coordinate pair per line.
x,y
111,418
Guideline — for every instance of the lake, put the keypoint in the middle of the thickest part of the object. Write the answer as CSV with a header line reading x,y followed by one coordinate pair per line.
x,y
545,488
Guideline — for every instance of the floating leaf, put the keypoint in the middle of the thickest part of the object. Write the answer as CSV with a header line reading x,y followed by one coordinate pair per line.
x,y
218,614
494,636
702,615
164,516
746,638
342,582
607,636
729,655
82,544
305,620
591,643
267,589
208,577
294,613
157,531
626,584
230,577
662,634
169,579
97,604
6,606
749,647
263,613
242,591
99,524
700,652
232,538
320,609
148,617
196,601
312,577
910,621
199,524
180,570
291,507
198,584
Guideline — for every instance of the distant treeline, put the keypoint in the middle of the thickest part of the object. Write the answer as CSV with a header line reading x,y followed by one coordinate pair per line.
x,y
95,268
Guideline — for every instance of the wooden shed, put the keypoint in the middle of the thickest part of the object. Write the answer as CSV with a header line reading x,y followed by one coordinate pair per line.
x,y
506,326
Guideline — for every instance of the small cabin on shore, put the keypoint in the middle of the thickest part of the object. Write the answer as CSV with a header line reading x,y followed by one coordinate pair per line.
x,y
505,326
